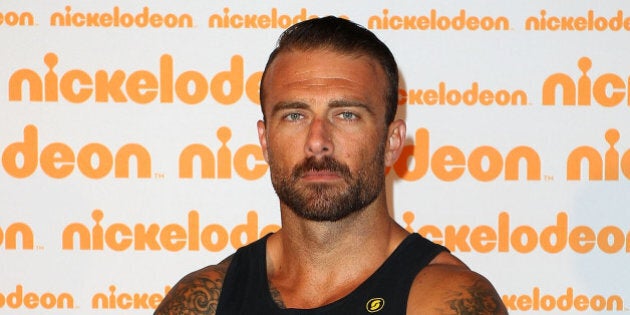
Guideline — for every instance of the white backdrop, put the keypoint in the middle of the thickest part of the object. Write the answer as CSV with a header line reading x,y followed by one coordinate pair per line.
x,y
528,188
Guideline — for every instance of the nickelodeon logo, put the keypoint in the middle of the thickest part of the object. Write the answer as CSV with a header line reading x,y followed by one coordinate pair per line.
x,y
95,160
58,160
446,96
607,167
486,163
116,18
590,22
504,237
608,90
257,21
31,300
564,302
170,237
141,86
125,301
449,163
435,21
224,160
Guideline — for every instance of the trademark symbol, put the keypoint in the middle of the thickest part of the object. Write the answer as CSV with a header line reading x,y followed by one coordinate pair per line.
x,y
39,247
158,175
548,178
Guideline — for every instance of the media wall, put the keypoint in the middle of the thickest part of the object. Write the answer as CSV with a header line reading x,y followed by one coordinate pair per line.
x,y
130,155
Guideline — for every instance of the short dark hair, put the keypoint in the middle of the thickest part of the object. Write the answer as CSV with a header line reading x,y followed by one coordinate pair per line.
x,y
342,36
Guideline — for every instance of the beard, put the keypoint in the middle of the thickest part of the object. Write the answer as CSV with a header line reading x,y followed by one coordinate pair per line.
x,y
327,201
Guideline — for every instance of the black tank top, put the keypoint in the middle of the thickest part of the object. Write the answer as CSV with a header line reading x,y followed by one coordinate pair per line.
x,y
246,288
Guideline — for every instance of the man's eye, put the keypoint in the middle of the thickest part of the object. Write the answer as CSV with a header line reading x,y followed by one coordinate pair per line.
x,y
348,116
293,116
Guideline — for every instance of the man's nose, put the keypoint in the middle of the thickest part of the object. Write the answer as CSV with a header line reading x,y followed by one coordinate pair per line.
x,y
319,142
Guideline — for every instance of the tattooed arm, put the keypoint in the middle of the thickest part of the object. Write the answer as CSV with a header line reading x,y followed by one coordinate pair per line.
x,y
451,288
478,297
197,293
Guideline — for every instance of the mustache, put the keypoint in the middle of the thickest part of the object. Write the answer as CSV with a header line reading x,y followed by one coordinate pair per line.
x,y
326,163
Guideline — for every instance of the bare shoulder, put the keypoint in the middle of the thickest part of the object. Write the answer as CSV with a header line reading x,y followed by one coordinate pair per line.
x,y
197,293
447,286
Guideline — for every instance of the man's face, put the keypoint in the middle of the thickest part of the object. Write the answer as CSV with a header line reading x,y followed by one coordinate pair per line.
x,y
324,136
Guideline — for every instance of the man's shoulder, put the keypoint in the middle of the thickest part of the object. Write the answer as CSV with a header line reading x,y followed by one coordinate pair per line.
x,y
196,293
447,286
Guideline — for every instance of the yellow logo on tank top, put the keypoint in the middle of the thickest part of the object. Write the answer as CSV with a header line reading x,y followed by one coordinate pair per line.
x,y
374,305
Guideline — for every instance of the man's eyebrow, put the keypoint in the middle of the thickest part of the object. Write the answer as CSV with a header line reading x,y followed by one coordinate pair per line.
x,y
347,103
333,104
287,105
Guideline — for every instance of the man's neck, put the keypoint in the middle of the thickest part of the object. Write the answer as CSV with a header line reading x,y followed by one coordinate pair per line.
x,y
306,258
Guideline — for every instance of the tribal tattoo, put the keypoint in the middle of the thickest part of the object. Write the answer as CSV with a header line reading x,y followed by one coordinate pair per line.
x,y
478,299
196,294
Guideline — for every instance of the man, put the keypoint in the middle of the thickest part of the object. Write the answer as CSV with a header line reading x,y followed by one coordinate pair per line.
x,y
329,98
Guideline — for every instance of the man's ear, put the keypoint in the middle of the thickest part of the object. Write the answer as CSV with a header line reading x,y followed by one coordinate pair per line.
x,y
262,138
396,133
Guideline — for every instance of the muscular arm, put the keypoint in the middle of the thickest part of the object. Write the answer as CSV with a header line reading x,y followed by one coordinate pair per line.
x,y
478,298
453,289
197,293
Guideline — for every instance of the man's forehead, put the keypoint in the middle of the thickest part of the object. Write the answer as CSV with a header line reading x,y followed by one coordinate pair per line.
x,y
322,67
298,55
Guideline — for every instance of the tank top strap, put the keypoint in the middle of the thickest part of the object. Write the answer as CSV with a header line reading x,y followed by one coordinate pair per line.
x,y
388,288
245,287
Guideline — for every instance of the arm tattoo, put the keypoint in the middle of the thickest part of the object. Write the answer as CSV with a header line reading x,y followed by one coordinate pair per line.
x,y
479,299
192,297
196,294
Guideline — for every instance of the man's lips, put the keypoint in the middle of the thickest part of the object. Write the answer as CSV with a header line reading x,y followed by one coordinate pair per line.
x,y
325,169
321,175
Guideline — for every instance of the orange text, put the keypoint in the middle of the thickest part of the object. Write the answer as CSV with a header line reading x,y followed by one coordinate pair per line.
x,y
140,86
